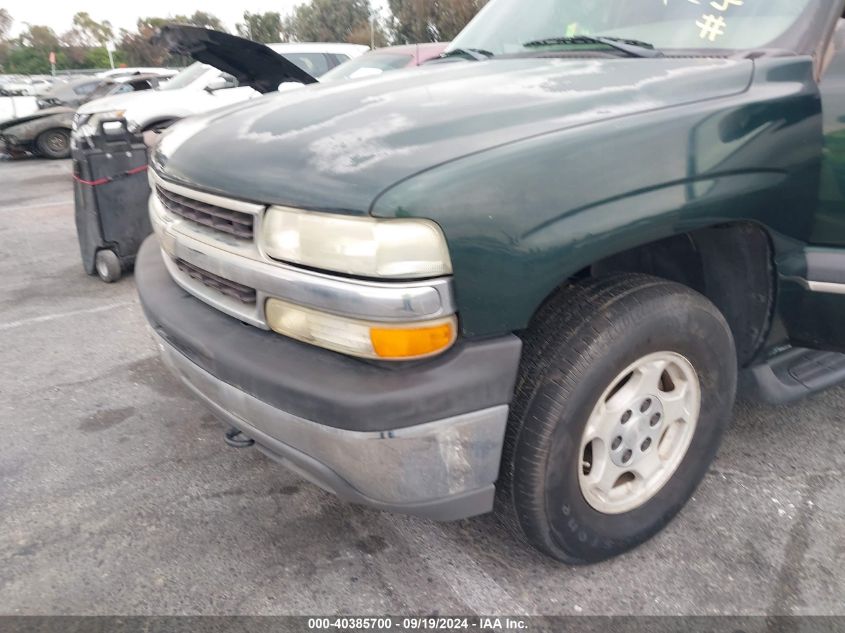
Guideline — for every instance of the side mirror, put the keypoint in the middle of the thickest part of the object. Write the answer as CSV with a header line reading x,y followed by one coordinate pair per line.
x,y
218,83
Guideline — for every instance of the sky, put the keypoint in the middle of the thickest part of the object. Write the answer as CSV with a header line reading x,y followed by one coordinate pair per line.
x,y
58,14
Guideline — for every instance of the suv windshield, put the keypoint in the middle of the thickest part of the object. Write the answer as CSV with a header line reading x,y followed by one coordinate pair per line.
x,y
505,26
186,77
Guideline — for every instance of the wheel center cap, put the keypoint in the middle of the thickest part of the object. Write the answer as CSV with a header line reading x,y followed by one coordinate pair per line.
x,y
637,431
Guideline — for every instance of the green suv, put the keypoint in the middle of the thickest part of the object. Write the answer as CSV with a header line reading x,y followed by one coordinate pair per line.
x,y
528,276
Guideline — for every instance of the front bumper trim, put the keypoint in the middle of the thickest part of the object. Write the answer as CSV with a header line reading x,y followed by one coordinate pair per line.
x,y
443,470
243,262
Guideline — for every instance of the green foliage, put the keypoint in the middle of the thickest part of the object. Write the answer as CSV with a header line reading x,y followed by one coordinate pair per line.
x,y
29,53
261,27
97,58
417,21
90,32
27,61
41,38
136,47
83,46
332,21
206,21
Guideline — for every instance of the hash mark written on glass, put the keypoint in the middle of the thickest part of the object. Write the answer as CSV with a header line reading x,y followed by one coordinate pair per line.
x,y
712,26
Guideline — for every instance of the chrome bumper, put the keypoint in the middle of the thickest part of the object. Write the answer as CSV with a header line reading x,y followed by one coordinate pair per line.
x,y
443,470
244,262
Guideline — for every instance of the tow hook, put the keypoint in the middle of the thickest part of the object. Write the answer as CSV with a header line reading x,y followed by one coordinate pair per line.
x,y
236,439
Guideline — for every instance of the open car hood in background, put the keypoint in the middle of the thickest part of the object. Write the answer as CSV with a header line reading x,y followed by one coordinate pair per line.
x,y
251,63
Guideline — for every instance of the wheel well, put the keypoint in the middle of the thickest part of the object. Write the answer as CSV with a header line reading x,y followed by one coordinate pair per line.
x,y
731,264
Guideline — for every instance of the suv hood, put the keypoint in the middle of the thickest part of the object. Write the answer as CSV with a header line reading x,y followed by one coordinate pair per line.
x,y
336,147
253,64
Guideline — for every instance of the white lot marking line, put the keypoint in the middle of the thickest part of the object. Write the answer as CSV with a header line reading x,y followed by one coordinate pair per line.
x,y
464,576
39,206
62,315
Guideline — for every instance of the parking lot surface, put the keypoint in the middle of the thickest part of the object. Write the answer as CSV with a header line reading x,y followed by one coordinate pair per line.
x,y
118,495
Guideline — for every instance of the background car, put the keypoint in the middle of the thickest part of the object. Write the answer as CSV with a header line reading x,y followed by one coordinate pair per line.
x,y
74,93
26,86
125,72
228,70
71,93
46,133
384,59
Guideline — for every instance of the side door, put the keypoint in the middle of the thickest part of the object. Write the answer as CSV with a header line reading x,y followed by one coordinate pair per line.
x,y
812,292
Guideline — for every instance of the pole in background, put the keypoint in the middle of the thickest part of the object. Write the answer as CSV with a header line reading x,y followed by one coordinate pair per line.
x,y
110,51
372,32
53,63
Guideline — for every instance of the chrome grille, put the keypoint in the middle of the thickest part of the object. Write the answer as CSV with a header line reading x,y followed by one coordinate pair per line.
x,y
232,289
225,220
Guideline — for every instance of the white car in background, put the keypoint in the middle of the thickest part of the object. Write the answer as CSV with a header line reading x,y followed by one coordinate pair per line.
x,y
27,86
228,70
116,73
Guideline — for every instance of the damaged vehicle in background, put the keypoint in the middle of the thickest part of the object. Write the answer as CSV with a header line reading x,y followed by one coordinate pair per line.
x,y
74,93
228,70
46,133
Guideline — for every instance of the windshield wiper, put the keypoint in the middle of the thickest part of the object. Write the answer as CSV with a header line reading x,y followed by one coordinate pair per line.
x,y
634,48
475,54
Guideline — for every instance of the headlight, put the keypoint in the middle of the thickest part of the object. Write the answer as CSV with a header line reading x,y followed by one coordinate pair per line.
x,y
366,247
361,338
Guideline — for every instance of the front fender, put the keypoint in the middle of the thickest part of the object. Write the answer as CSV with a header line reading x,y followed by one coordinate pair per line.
x,y
523,218
30,130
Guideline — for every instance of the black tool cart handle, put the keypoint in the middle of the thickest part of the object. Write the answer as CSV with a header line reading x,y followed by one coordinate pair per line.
x,y
107,140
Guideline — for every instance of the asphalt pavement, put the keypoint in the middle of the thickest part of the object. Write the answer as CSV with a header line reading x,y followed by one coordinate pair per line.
x,y
118,495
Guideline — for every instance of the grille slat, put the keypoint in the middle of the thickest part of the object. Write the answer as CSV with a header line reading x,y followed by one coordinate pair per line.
x,y
232,289
225,220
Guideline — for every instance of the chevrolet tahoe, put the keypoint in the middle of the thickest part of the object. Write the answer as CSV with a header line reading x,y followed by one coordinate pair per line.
x,y
526,277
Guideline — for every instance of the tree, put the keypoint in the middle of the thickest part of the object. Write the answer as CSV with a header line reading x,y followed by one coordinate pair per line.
x,y
99,58
136,46
413,21
27,61
261,27
332,21
5,23
5,26
40,38
454,15
205,20
90,32
73,48
417,21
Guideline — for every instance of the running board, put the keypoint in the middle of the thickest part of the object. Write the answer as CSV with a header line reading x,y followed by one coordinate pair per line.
x,y
792,375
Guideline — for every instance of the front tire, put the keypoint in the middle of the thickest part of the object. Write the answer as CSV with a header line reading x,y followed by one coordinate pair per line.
x,y
53,144
626,387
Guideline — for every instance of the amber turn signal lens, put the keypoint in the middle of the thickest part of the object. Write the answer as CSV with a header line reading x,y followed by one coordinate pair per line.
x,y
365,339
411,343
